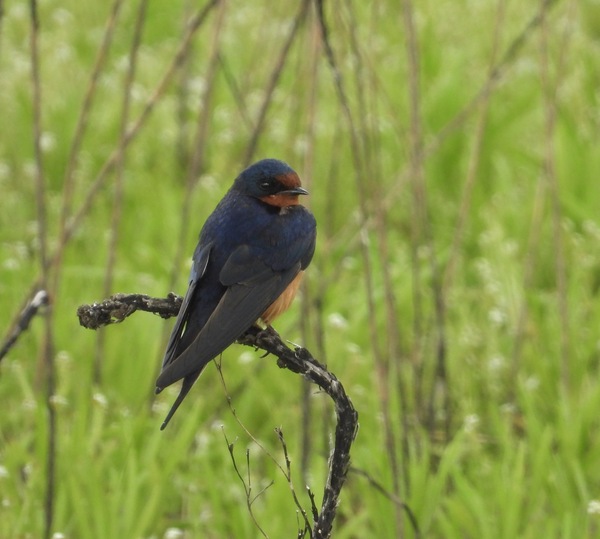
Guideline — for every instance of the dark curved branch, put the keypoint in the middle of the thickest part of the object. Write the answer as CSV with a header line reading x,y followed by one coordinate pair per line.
x,y
119,306
299,360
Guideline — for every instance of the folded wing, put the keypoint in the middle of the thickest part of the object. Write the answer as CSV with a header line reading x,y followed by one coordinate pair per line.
x,y
252,287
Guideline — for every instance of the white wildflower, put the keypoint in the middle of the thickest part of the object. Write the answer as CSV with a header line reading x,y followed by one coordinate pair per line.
x,y
173,533
497,316
593,507
532,383
246,357
337,321
470,422
100,399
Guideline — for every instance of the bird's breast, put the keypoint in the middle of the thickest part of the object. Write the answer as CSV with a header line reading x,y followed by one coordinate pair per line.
x,y
283,302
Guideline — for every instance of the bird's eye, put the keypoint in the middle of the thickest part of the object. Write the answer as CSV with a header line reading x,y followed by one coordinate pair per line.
x,y
265,186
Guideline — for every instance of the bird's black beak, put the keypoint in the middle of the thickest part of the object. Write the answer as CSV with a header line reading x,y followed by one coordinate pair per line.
x,y
294,191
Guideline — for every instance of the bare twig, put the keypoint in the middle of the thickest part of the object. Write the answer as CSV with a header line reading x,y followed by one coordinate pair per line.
x,y
310,325
119,179
196,161
2,14
299,360
46,362
39,299
549,90
119,306
474,156
285,471
247,483
423,234
236,92
390,496
78,136
384,343
532,251
495,75
272,85
288,476
360,157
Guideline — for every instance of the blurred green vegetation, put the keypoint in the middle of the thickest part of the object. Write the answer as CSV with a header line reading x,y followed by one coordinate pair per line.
x,y
488,244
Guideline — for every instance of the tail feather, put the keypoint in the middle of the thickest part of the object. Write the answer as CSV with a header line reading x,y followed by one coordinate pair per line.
x,y
187,384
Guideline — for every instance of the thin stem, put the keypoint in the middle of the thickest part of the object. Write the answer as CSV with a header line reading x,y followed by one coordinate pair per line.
x,y
119,180
47,349
76,143
273,81
549,89
474,156
423,233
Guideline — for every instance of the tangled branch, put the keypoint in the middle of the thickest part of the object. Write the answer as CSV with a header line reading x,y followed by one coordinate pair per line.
x,y
299,360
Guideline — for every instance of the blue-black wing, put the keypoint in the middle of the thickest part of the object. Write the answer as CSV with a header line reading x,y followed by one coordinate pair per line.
x,y
251,287
201,257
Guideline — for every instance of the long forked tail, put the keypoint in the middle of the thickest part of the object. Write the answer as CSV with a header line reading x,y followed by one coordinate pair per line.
x,y
187,384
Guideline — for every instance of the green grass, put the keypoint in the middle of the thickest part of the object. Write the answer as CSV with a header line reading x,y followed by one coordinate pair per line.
x,y
506,444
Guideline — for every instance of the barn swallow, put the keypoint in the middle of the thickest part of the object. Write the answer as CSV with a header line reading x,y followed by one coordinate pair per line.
x,y
252,252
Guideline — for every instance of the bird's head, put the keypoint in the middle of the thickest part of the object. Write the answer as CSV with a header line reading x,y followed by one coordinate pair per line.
x,y
271,181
